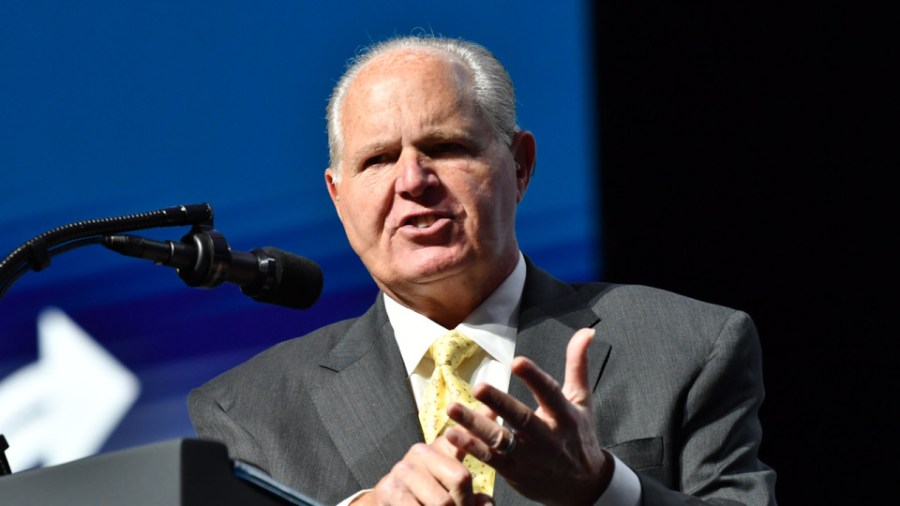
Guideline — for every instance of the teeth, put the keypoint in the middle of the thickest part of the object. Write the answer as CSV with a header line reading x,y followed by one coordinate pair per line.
x,y
422,221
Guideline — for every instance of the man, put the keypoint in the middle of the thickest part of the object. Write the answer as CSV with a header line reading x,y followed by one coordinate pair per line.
x,y
652,400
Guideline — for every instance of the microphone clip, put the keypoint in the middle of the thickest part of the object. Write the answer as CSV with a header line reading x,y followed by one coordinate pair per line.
x,y
213,257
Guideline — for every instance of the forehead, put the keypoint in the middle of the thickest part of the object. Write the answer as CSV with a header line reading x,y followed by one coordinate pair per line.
x,y
422,66
404,84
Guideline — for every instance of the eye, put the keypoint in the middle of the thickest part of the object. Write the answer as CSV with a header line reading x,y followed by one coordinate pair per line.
x,y
447,148
376,160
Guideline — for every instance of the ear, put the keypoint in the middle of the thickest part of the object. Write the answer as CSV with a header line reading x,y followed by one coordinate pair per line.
x,y
332,187
525,155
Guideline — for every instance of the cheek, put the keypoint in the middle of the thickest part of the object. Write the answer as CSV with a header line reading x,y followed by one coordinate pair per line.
x,y
485,205
497,192
499,209
364,209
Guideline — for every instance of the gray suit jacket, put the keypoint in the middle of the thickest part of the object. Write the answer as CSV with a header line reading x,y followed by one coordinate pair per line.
x,y
677,385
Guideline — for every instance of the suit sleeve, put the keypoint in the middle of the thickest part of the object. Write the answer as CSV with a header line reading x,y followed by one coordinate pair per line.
x,y
211,421
722,433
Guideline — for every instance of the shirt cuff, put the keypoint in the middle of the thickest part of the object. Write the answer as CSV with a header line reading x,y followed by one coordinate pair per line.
x,y
350,499
624,488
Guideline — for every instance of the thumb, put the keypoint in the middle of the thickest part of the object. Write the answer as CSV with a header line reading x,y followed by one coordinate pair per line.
x,y
575,387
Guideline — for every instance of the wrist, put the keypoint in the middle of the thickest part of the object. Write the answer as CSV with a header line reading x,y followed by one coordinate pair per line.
x,y
602,477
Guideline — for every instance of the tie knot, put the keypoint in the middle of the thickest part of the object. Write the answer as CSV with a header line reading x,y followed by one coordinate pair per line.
x,y
452,349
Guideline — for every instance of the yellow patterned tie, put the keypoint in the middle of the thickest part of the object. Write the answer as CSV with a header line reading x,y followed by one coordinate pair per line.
x,y
444,387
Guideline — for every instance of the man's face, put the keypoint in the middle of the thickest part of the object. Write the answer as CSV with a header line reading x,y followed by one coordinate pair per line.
x,y
426,194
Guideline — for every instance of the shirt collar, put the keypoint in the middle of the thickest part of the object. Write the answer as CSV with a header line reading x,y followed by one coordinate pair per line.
x,y
493,324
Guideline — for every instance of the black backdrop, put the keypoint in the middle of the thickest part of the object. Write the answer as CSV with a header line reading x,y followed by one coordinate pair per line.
x,y
743,163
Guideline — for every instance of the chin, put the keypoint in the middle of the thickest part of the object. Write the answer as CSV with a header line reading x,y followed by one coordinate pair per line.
x,y
433,267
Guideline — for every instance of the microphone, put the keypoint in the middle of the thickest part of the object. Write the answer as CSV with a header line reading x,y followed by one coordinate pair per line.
x,y
203,259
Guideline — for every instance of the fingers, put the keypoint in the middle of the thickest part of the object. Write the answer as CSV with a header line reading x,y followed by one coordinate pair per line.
x,y
555,450
555,401
552,398
484,438
452,475
575,388
427,474
515,413
447,448
476,434
480,436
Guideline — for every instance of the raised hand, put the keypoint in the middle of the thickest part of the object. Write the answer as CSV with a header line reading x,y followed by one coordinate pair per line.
x,y
551,454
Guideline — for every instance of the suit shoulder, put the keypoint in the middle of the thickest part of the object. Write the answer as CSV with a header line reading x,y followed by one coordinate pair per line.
x,y
649,298
297,356
677,317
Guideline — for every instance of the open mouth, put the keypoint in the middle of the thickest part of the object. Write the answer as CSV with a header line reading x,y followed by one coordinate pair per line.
x,y
423,221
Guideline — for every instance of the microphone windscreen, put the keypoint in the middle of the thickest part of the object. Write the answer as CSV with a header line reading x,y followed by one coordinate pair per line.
x,y
298,281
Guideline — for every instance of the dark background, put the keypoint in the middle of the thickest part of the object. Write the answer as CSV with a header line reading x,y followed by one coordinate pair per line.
x,y
743,163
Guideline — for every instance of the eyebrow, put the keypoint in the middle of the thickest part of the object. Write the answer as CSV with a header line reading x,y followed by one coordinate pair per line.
x,y
379,146
374,147
368,150
470,135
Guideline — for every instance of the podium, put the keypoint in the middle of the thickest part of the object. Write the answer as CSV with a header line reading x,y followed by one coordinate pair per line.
x,y
183,472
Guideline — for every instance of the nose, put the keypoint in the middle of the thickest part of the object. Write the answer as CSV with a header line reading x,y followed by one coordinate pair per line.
x,y
414,178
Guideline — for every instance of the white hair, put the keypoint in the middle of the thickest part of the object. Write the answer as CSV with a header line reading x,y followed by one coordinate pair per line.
x,y
493,90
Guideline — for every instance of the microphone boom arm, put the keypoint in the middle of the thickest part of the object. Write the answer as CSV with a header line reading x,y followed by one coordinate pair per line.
x,y
35,254
202,258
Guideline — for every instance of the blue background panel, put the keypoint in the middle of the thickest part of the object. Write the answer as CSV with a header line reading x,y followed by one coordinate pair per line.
x,y
112,108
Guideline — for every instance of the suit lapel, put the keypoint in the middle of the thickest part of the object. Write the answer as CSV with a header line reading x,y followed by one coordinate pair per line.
x,y
364,400
550,312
